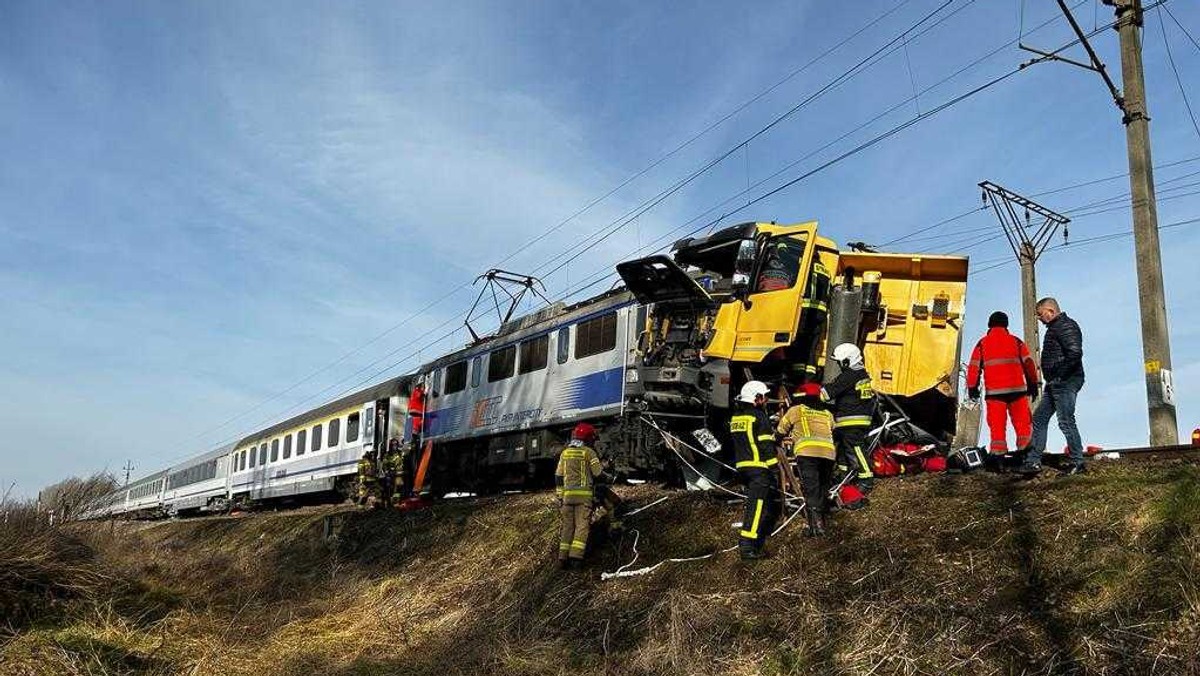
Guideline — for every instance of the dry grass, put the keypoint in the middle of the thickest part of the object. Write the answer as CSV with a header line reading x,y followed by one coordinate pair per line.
x,y
982,575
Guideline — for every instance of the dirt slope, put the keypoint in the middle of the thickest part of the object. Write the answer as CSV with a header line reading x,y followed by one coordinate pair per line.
x,y
942,575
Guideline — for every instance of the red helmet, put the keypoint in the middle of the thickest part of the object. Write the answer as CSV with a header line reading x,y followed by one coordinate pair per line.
x,y
584,432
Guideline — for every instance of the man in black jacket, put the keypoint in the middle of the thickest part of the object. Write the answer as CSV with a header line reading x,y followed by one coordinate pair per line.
x,y
1062,367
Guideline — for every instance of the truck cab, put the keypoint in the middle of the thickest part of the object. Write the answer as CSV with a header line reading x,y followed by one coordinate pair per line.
x,y
769,301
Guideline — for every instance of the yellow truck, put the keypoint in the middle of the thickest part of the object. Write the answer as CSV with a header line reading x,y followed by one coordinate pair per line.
x,y
769,302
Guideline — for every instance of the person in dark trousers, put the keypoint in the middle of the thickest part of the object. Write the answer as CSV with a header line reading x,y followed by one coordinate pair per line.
x,y
1002,361
758,467
851,397
575,482
807,429
1062,366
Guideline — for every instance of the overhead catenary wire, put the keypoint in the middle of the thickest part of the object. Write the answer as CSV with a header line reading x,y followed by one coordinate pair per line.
x,y
1182,27
1098,239
1162,24
608,231
737,196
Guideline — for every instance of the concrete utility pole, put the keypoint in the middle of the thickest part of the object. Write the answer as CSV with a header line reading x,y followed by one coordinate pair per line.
x,y
1027,244
1156,341
1156,344
1029,298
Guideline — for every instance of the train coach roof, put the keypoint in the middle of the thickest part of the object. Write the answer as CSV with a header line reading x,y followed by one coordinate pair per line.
x,y
218,452
388,388
566,315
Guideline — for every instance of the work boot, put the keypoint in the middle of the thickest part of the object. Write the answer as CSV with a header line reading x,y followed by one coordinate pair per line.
x,y
1030,469
752,554
564,564
1075,469
816,527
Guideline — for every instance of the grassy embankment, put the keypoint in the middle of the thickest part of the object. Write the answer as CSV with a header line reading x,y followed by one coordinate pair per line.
x,y
942,575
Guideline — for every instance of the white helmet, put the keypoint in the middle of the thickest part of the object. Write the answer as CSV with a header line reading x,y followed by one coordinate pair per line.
x,y
848,355
753,389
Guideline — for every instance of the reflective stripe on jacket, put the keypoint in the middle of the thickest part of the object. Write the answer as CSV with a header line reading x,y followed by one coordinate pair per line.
x,y
753,440
810,430
852,398
1004,362
575,477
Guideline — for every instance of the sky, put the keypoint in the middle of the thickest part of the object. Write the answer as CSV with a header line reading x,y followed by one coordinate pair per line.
x,y
214,216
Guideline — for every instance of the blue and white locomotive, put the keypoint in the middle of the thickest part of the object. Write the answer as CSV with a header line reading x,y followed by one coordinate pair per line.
x,y
498,411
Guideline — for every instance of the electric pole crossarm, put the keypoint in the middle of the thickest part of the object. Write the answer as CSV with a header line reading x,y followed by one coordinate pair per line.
x,y
1098,66
1026,246
1051,56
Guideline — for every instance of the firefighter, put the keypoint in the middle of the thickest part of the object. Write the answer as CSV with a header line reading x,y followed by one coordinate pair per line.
x,y
1005,365
393,473
807,430
757,465
779,268
852,399
802,353
574,482
416,413
368,481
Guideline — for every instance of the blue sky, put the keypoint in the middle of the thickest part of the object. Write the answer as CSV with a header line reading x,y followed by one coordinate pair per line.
x,y
202,204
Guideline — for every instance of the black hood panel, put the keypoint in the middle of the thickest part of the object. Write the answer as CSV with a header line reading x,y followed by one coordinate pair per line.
x,y
658,279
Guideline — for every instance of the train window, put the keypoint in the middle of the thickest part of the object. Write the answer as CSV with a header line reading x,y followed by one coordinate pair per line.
x,y
316,438
596,335
287,447
564,344
301,439
352,427
334,431
274,450
437,382
456,378
252,458
476,370
262,454
501,363
533,354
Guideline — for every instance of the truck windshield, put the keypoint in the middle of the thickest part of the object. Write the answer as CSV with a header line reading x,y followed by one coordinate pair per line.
x,y
780,265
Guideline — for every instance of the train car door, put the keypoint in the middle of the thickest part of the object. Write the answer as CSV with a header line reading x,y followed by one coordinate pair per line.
x,y
379,426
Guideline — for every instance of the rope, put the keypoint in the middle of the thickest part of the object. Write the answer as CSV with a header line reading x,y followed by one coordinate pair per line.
x,y
645,507
624,572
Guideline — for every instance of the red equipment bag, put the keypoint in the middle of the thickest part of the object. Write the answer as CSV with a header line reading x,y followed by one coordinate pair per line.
x,y
934,463
849,497
883,463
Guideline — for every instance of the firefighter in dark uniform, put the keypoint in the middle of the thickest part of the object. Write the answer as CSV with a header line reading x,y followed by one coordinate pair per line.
x,y
852,399
393,473
574,482
758,467
802,353
368,480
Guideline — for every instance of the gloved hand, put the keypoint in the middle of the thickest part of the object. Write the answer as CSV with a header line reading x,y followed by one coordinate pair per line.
x,y
1033,390
973,393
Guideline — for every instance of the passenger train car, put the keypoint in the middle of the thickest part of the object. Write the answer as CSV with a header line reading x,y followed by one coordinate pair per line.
x,y
310,455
